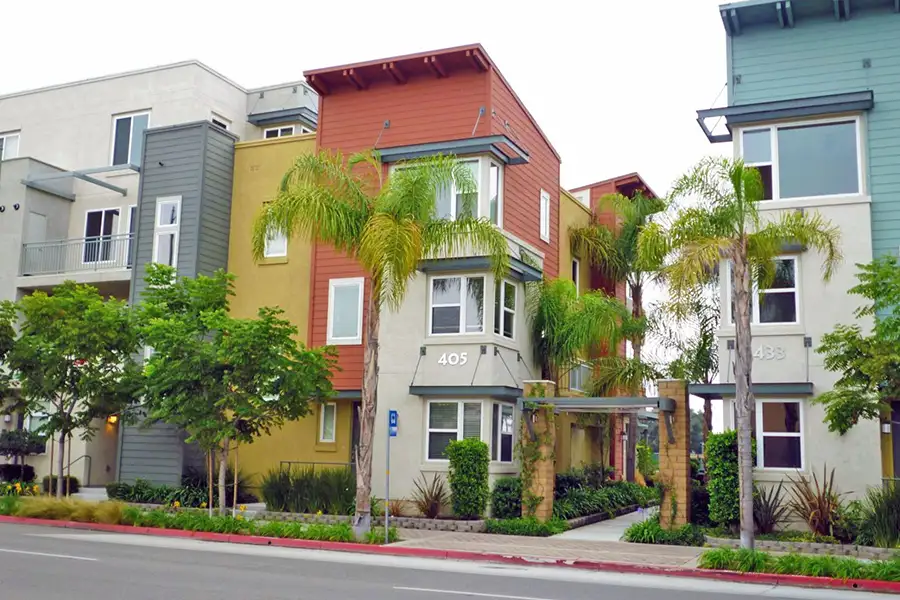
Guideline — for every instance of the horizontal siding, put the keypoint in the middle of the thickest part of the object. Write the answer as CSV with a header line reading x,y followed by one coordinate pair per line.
x,y
824,56
215,224
522,184
153,453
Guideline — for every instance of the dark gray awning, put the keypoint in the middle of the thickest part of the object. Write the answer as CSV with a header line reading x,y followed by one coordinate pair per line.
x,y
500,146
518,269
784,109
456,391
603,405
717,391
275,117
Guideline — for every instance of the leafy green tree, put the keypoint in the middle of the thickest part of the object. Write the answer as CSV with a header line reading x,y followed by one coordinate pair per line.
x,y
389,226
725,224
220,378
73,359
869,362
18,444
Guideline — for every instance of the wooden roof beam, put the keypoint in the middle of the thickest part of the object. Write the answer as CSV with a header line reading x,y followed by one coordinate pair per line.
x,y
477,60
394,70
436,66
356,78
319,85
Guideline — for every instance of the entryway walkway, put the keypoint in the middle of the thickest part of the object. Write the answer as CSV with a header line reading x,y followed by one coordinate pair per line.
x,y
607,531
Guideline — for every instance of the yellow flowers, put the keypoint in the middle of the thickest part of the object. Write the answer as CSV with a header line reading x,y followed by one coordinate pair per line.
x,y
176,504
242,507
203,505
319,513
17,488
239,517
36,489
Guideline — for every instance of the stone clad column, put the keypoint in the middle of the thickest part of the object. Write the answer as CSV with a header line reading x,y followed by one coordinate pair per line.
x,y
543,478
674,459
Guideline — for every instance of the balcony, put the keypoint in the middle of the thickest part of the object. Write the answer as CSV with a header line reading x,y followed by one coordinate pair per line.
x,y
92,260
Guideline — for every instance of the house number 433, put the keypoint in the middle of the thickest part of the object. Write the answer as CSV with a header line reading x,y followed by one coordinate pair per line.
x,y
767,352
453,358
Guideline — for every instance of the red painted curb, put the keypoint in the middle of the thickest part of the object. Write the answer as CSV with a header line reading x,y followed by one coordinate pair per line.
x,y
725,576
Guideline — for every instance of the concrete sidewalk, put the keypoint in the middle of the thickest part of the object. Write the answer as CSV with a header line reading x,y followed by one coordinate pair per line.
x,y
611,530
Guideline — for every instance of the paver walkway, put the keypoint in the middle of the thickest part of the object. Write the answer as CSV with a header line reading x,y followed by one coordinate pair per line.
x,y
611,530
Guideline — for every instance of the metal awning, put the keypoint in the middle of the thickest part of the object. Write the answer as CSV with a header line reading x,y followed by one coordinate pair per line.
x,y
603,405
302,114
518,269
761,112
718,391
500,146
44,183
456,391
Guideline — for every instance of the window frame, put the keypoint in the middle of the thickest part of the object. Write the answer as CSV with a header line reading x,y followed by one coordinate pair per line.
x,y
99,239
578,367
279,132
220,121
463,290
356,340
269,253
115,120
755,293
460,425
4,137
773,154
497,452
761,435
500,183
576,275
323,409
500,296
545,216
167,229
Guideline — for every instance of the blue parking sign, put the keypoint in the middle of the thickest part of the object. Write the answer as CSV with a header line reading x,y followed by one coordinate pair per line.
x,y
392,422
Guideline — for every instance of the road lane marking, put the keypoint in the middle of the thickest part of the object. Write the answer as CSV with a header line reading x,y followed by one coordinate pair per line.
x,y
459,593
48,555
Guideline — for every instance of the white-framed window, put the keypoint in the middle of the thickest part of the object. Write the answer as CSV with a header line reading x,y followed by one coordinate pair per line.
x,y
808,159
450,420
584,197
502,432
277,132
166,230
495,193
576,275
220,121
505,309
34,421
128,138
545,216
276,245
327,422
451,203
304,129
9,145
345,305
457,305
99,227
580,377
778,426
779,303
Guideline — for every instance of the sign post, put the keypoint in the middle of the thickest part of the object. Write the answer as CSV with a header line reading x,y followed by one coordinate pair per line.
x,y
392,432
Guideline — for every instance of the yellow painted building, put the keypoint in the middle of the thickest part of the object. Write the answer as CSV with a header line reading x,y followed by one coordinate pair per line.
x,y
283,280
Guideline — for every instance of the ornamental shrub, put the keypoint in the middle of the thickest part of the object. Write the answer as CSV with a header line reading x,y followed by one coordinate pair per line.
x,y
506,499
723,484
71,485
469,489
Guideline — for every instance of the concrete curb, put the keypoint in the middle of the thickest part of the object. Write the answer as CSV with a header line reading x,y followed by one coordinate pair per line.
x,y
726,576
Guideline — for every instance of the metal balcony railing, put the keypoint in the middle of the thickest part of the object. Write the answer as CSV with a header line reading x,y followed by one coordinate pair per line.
x,y
103,253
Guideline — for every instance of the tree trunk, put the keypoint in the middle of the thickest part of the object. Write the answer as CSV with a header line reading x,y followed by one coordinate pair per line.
x,y
363,519
223,467
743,393
209,480
707,419
637,345
60,465
234,501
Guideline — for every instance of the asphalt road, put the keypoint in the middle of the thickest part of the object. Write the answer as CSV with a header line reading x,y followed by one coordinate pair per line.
x,y
54,564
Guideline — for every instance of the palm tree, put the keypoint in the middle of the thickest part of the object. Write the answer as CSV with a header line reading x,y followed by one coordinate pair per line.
x,y
615,252
725,224
389,226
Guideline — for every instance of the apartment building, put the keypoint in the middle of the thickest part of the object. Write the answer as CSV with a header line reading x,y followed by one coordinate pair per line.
x,y
812,103
72,159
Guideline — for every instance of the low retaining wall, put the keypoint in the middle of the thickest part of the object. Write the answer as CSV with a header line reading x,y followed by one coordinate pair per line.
x,y
864,552
598,517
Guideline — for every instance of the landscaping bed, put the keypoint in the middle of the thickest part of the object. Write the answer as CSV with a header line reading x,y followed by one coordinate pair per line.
x,y
820,548
842,568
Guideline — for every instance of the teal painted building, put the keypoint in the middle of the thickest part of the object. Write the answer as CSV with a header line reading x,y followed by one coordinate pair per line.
x,y
814,104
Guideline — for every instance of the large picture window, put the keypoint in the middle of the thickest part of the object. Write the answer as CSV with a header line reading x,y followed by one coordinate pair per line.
x,y
457,305
449,421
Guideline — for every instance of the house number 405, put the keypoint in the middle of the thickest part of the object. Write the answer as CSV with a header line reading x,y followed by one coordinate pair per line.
x,y
453,358
767,352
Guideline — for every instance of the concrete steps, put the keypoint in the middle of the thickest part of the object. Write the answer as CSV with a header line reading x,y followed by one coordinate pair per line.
x,y
91,494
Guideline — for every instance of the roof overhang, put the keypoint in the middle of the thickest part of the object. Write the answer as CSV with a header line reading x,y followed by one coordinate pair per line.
x,y
44,183
503,392
739,16
762,112
500,146
348,394
518,269
302,114
718,391
602,405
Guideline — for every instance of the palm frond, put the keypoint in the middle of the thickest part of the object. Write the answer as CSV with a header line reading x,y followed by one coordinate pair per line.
x,y
695,265
619,375
469,237
597,244
414,185
809,229
390,249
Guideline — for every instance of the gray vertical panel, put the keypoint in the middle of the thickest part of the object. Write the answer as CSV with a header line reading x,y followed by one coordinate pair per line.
x,y
153,453
215,204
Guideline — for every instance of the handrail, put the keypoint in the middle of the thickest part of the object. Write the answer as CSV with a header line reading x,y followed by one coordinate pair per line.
x,y
94,253
88,462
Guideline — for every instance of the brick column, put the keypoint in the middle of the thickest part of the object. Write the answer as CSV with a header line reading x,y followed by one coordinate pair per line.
x,y
674,459
544,476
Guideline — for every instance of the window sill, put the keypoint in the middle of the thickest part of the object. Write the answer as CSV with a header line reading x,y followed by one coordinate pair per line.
x,y
814,202
766,330
273,260
326,447
777,475
353,342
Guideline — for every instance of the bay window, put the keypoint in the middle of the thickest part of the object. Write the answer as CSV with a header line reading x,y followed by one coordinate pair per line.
x,y
457,305
777,303
778,427
505,309
449,421
805,160
502,427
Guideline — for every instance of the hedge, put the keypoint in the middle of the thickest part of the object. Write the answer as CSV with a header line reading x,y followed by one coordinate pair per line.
x,y
468,477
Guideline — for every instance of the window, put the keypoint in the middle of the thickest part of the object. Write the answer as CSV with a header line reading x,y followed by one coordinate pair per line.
x,y
457,305
505,309
220,121
35,421
495,191
804,161
305,129
452,204
9,146
576,274
276,132
128,138
629,350
584,196
165,232
327,422
502,424
449,421
776,304
345,304
580,377
276,245
99,226
545,216
779,437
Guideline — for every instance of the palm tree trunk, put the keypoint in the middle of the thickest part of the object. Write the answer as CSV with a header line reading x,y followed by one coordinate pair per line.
x,y
363,520
707,419
637,344
743,394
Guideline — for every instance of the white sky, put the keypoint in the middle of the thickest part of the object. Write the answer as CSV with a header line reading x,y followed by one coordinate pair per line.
x,y
613,83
